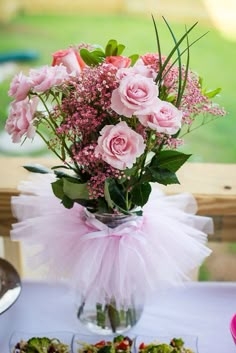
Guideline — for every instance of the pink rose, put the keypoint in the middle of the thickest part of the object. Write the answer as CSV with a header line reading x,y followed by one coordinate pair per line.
x,y
118,61
152,59
46,77
119,145
134,94
138,68
145,70
69,58
165,118
20,120
20,87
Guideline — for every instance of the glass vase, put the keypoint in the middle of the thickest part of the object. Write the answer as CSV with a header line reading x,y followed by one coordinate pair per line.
x,y
106,317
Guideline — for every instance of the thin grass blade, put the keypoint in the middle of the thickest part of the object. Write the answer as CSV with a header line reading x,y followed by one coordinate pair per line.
x,y
179,64
183,52
158,42
186,71
173,51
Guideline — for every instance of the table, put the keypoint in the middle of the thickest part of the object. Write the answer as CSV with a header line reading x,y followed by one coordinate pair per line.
x,y
199,308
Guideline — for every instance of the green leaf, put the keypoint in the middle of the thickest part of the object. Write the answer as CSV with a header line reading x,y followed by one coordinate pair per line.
x,y
57,188
90,204
170,160
212,93
111,47
161,176
99,54
75,190
60,166
67,202
200,81
170,98
133,58
101,205
120,49
37,168
140,194
138,213
91,58
114,195
60,174
107,195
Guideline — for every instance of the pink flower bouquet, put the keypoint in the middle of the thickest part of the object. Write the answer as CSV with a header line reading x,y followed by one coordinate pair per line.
x,y
114,121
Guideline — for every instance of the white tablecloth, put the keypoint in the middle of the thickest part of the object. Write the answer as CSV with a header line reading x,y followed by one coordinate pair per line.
x,y
203,309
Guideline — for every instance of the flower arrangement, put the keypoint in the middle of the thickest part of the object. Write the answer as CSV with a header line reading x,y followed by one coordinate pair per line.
x,y
114,121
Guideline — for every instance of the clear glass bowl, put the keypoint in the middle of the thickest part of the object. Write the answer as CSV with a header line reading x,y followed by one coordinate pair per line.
x,y
190,341
79,339
65,337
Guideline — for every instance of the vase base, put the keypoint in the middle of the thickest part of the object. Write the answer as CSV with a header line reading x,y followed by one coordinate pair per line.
x,y
106,330
110,325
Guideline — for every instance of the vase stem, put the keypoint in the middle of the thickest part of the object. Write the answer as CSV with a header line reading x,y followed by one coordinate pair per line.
x,y
114,316
101,315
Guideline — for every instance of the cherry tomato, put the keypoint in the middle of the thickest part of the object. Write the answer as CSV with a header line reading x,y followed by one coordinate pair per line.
x,y
100,344
123,345
142,346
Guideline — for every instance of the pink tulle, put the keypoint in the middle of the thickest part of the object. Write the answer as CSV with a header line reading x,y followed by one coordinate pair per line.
x,y
160,248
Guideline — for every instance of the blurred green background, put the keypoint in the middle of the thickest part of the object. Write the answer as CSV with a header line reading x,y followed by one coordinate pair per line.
x,y
212,57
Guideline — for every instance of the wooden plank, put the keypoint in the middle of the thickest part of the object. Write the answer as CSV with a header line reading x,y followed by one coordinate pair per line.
x,y
12,253
213,185
224,229
218,180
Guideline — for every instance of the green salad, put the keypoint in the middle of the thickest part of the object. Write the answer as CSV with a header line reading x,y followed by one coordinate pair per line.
x,y
176,345
41,345
119,344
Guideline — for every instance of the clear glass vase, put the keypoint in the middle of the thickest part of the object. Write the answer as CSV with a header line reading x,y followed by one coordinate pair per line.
x,y
107,317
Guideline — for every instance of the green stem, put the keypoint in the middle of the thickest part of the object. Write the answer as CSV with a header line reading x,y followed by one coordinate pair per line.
x,y
148,149
198,126
54,151
127,200
53,126
113,315
101,315
63,137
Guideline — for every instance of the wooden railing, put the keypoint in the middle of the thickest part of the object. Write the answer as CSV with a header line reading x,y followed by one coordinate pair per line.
x,y
213,185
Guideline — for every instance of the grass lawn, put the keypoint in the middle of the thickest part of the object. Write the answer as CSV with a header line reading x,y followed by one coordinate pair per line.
x,y
212,57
